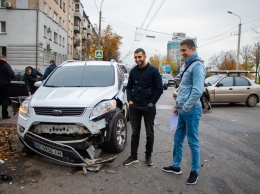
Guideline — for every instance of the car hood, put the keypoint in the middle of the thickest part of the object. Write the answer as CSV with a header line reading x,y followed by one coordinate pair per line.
x,y
71,96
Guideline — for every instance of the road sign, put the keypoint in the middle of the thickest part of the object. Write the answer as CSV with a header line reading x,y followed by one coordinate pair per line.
x,y
98,54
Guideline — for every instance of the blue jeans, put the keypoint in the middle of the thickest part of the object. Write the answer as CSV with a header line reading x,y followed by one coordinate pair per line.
x,y
136,114
188,124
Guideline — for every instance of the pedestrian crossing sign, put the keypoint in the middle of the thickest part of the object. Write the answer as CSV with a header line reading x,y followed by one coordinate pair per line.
x,y
98,54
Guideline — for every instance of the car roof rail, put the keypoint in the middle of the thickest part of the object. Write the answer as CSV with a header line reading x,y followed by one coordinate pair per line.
x,y
68,61
228,72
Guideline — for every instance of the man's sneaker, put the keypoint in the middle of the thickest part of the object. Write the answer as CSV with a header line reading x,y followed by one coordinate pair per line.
x,y
148,161
175,170
192,180
130,160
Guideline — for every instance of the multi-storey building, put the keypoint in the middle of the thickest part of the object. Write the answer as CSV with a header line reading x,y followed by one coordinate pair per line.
x,y
173,46
34,31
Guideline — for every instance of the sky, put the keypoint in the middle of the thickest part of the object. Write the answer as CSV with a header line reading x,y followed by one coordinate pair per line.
x,y
208,20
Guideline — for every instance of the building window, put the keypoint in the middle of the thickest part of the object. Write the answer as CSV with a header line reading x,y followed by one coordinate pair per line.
x,y
50,12
2,51
2,3
55,17
59,40
45,32
61,4
2,27
55,37
50,38
56,1
45,8
63,42
63,7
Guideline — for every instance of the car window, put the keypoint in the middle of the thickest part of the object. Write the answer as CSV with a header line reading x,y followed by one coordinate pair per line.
x,y
167,76
82,76
227,81
241,81
212,79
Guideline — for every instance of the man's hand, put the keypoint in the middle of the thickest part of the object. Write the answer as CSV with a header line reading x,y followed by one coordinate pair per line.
x,y
29,93
175,110
130,102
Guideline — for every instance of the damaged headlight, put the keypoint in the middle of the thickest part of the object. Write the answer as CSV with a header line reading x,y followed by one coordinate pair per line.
x,y
24,108
102,108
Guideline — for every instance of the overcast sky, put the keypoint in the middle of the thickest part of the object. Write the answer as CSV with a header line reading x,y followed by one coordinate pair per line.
x,y
208,20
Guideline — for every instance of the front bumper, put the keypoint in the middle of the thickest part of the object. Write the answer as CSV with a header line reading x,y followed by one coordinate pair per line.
x,y
58,152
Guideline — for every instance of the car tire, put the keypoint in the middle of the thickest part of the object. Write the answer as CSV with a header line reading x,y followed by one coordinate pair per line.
x,y
251,101
206,103
118,136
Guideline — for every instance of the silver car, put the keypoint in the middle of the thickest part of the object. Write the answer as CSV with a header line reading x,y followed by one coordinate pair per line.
x,y
232,88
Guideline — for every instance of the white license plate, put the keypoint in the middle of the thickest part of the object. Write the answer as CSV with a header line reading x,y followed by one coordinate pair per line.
x,y
48,149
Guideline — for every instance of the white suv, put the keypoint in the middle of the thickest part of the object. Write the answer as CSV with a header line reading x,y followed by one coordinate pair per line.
x,y
78,110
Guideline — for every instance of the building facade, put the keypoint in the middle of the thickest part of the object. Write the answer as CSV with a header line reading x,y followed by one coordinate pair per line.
x,y
34,31
173,47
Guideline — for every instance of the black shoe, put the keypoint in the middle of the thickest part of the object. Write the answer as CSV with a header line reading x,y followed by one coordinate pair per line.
x,y
192,180
175,170
8,117
130,160
148,161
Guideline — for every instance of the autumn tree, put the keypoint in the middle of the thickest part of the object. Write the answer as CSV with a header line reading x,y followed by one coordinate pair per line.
x,y
226,60
157,62
111,43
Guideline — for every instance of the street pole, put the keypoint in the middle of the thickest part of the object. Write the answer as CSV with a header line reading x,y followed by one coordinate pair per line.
x,y
239,38
99,30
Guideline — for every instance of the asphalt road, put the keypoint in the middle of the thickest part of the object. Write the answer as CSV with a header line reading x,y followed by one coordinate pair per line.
x,y
230,160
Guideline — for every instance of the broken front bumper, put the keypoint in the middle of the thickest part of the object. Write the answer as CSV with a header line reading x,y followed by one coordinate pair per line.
x,y
59,152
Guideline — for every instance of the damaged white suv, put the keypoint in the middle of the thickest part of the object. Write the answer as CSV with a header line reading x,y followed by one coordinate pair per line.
x,y
80,108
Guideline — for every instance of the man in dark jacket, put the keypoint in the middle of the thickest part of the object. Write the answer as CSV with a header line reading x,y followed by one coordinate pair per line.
x,y
6,74
50,68
144,89
30,77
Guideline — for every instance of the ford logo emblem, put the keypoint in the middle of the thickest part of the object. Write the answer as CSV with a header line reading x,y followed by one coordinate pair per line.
x,y
56,112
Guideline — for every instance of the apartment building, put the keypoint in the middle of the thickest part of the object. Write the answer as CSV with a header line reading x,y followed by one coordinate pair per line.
x,y
173,46
34,31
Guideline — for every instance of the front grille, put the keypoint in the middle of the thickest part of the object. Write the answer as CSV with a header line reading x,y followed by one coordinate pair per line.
x,y
59,111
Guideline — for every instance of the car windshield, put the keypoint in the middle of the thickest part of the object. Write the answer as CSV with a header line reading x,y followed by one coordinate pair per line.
x,y
212,79
167,76
82,76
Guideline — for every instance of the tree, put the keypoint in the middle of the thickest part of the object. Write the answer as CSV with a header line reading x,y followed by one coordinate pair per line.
x,y
111,43
226,60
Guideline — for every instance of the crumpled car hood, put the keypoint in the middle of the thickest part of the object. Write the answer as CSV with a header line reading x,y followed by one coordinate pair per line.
x,y
72,96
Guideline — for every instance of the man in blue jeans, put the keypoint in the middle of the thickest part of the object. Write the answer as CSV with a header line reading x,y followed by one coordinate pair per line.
x,y
188,107
144,89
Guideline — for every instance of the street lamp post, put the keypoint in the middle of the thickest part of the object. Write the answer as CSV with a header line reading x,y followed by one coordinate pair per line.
x,y
99,29
239,37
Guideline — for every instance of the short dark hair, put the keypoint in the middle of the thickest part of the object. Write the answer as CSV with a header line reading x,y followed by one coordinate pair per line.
x,y
27,69
52,61
189,43
140,50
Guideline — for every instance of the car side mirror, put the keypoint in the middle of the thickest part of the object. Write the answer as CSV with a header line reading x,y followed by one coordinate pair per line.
x,y
38,83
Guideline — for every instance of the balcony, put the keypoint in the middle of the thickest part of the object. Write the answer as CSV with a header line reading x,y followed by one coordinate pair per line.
x,y
76,29
76,56
76,42
78,15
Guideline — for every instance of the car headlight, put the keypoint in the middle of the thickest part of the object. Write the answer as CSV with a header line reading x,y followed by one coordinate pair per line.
x,y
24,108
103,108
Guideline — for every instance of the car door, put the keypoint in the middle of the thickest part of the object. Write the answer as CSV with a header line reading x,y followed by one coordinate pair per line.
x,y
243,88
224,90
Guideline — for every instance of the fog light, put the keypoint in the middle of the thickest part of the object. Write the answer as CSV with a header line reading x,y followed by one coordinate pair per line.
x,y
21,129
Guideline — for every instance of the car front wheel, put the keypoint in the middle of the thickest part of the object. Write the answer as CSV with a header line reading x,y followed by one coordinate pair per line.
x,y
251,101
118,136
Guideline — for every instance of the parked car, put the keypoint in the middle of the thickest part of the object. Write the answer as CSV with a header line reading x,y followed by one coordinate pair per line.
x,y
177,81
126,76
77,111
169,77
165,83
231,87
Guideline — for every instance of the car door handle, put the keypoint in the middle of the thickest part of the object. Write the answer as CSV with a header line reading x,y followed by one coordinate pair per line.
x,y
230,88
248,88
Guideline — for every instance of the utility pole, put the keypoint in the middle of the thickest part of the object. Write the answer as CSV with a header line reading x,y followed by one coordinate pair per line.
x,y
99,30
239,37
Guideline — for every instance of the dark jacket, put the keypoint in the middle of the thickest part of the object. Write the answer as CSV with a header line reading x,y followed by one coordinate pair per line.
x,y
31,79
49,70
144,85
6,73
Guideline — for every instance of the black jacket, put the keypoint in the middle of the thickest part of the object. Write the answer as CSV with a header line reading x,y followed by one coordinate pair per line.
x,y
31,79
6,73
144,85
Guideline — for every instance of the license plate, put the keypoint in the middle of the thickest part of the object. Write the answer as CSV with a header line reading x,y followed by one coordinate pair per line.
x,y
48,149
